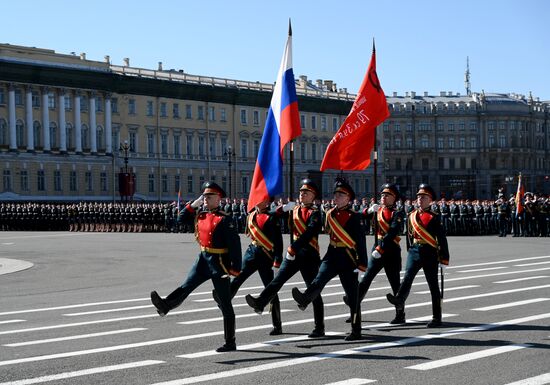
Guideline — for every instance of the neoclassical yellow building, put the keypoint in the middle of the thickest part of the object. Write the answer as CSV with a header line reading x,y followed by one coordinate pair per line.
x,y
65,122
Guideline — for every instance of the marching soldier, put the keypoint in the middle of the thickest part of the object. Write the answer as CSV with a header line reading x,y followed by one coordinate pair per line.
x,y
427,248
503,216
302,254
386,253
220,258
345,255
264,254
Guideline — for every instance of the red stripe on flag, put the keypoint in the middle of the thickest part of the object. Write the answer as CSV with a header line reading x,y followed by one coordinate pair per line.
x,y
258,189
290,124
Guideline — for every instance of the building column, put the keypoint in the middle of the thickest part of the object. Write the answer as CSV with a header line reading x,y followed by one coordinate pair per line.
x,y
93,128
108,126
62,123
46,119
11,118
28,118
77,124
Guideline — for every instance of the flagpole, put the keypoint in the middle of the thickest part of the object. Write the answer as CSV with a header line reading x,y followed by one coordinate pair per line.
x,y
375,179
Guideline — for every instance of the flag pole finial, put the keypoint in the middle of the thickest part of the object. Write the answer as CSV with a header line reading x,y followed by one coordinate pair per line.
x,y
289,27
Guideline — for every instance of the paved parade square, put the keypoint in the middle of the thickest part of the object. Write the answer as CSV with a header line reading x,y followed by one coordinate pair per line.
x,y
79,313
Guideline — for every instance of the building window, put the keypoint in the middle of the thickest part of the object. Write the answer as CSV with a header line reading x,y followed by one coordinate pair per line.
x,y
244,148
19,134
103,181
335,124
409,142
84,103
313,151
386,127
72,181
303,121
175,111
18,97
40,181
256,117
440,143
100,138
462,142
409,127
189,146
151,183
3,96
201,147
98,104
451,143
114,105
149,111
177,146
188,111
88,181
200,112
212,146
7,180
425,142
190,183
57,180
211,114
244,118
244,185
53,135
51,101
24,180
3,133
35,99
473,142
164,144
133,141
313,122
131,106
452,163
323,123
397,142
201,181
473,126
151,144
223,115
491,141
502,141
163,111
461,126
439,126
491,125
223,142
164,182
450,126
303,151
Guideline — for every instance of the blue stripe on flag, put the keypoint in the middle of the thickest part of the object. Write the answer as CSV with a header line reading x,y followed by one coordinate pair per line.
x,y
288,92
269,158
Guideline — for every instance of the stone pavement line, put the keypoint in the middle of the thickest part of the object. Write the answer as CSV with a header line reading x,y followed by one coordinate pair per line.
x,y
353,381
522,279
75,337
85,372
468,357
511,304
347,352
537,380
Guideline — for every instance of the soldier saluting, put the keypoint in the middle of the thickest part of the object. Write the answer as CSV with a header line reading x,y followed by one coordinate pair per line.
x,y
345,255
220,258
427,246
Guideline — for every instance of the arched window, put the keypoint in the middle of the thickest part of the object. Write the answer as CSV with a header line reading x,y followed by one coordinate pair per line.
x,y
37,133
85,138
70,138
100,138
20,133
53,135
3,133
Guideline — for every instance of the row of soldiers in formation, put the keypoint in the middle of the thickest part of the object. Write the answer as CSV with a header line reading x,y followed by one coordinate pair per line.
x,y
220,257
458,217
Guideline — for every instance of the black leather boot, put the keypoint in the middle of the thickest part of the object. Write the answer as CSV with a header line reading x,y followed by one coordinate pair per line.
x,y
276,317
160,304
254,303
229,335
399,317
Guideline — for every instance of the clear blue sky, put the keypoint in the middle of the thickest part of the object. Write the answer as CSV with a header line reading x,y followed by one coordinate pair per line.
x,y
421,45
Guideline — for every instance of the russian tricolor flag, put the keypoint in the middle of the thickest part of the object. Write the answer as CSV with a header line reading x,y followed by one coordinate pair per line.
x,y
282,125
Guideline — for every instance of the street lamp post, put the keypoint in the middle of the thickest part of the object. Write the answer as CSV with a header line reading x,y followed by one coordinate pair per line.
x,y
125,148
126,179
229,153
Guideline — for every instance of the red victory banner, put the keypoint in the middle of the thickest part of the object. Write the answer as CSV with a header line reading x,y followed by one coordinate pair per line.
x,y
351,146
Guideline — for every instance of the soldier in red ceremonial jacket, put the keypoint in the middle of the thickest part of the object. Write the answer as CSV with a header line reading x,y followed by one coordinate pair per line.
x,y
302,255
264,254
427,248
386,252
346,255
220,258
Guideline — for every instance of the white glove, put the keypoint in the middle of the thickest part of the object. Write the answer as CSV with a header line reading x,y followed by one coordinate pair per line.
x,y
197,202
290,257
373,208
275,270
376,254
442,266
289,206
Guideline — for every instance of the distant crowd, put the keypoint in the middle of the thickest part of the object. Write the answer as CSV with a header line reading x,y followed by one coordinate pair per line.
x,y
458,217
